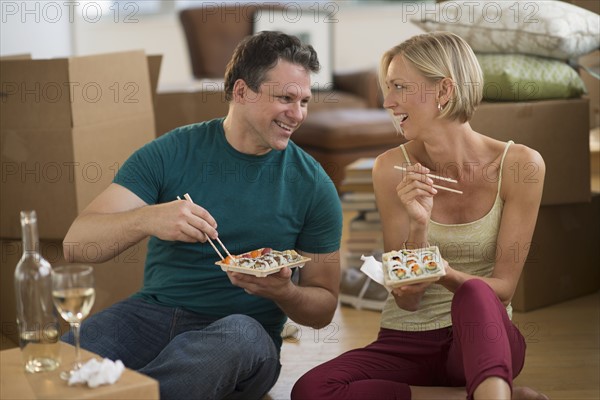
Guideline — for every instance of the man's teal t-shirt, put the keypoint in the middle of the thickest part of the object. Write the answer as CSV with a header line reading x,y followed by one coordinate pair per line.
x,y
283,200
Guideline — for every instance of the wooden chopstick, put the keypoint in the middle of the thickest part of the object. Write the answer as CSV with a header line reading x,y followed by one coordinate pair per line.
x,y
437,177
188,198
441,178
447,189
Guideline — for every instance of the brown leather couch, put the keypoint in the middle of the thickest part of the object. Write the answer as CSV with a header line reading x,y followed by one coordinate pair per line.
x,y
344,123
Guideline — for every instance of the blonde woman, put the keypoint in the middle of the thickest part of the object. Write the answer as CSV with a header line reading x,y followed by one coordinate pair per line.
x,y
452,338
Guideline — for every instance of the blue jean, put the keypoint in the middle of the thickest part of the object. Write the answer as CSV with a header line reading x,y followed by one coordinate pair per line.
x,y
192,357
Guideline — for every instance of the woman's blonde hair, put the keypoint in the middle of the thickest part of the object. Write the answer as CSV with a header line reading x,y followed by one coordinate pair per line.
x,y
439,55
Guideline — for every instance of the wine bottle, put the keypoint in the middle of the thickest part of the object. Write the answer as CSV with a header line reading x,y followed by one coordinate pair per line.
x,y
36,317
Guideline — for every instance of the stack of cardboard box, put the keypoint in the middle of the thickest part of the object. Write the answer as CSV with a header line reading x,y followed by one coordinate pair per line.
x,y
67,125
561,261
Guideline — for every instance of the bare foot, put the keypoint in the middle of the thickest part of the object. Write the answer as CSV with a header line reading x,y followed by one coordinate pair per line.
x,y
526,393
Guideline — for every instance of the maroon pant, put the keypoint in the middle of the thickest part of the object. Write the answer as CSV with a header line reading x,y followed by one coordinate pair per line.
x,y
481,343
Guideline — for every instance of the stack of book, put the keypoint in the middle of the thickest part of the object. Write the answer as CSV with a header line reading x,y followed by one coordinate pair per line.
x,y
364,235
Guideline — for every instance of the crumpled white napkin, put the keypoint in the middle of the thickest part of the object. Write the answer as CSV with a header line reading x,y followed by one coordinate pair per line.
x,y
96,373
374,270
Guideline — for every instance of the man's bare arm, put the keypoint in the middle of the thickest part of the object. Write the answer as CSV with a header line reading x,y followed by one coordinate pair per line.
x,y
118,219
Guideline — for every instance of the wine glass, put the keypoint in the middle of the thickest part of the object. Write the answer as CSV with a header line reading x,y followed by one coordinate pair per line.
x,y
73,294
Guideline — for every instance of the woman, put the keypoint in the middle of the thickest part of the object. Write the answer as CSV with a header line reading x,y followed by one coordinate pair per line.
x,y
440,339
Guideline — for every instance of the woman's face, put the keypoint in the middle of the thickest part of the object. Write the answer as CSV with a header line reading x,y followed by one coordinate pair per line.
x,y
411,97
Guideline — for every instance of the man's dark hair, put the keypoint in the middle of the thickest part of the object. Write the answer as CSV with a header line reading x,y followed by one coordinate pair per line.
x,y
255,55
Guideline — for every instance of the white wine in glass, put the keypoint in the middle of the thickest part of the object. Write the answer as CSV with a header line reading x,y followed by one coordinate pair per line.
x,y
74,294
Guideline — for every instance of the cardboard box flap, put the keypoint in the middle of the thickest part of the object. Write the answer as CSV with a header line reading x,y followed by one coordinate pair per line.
x,y
154,64
25,56
115,84
33,102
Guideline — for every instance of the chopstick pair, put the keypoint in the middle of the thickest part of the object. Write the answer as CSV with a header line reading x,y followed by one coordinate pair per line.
x,y
441,178
189,198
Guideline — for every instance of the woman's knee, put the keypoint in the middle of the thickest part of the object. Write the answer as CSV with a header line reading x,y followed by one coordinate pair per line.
x,y
306,386
473,288
321,382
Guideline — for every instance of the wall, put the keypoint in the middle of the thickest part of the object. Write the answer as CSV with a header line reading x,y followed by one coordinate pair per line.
x,y
156,34
365,32
361,33
41,30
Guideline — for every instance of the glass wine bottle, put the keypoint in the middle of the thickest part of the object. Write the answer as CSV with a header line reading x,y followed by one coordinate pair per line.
x,y
36,317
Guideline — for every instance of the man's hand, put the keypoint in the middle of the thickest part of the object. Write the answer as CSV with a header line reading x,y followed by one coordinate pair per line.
x,y
182,221
275,286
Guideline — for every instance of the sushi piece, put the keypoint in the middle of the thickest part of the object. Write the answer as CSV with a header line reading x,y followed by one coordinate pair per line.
x,y
426,257
270,260
411,261
398,272
431,266
416,269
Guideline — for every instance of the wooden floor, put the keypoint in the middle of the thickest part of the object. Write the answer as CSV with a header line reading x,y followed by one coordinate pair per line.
x,y
562,357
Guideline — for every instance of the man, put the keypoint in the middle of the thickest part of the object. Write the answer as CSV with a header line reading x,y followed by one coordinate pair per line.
x,y
201,332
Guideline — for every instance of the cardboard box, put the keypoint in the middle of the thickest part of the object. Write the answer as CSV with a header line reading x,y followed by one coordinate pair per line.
x,y
66,126
591,5
558,130
114,280
16,384
591,62
184,105
563,258
203,100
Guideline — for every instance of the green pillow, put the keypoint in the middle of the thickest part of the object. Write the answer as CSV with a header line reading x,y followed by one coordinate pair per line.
x,y
520,77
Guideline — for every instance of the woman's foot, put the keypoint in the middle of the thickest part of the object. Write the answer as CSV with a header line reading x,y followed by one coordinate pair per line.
x,y
526,393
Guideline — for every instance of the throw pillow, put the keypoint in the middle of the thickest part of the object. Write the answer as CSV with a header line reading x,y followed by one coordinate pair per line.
x,y
547,28
519,77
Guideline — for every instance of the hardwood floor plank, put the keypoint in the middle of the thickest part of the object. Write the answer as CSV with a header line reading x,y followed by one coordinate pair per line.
x,y
563,349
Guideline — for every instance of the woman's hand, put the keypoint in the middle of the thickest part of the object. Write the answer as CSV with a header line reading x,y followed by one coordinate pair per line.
x,y
408,297
416,193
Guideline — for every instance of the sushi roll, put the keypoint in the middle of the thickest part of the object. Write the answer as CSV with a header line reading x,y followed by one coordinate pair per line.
x,y
416,269
411,261
389,256
291,256
270,260
407,252
246,262
398,272
431,266
260,264
281,260
426,257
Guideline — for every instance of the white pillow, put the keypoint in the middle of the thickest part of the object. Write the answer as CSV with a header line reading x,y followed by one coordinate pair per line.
x,y
548,28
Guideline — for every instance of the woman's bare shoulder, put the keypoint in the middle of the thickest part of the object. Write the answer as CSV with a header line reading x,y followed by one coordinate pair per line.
x,y
523,157
524,171
384,173
391,157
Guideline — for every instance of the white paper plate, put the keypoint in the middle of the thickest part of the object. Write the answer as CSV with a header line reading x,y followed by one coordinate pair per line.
x,y
424,277
261,272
